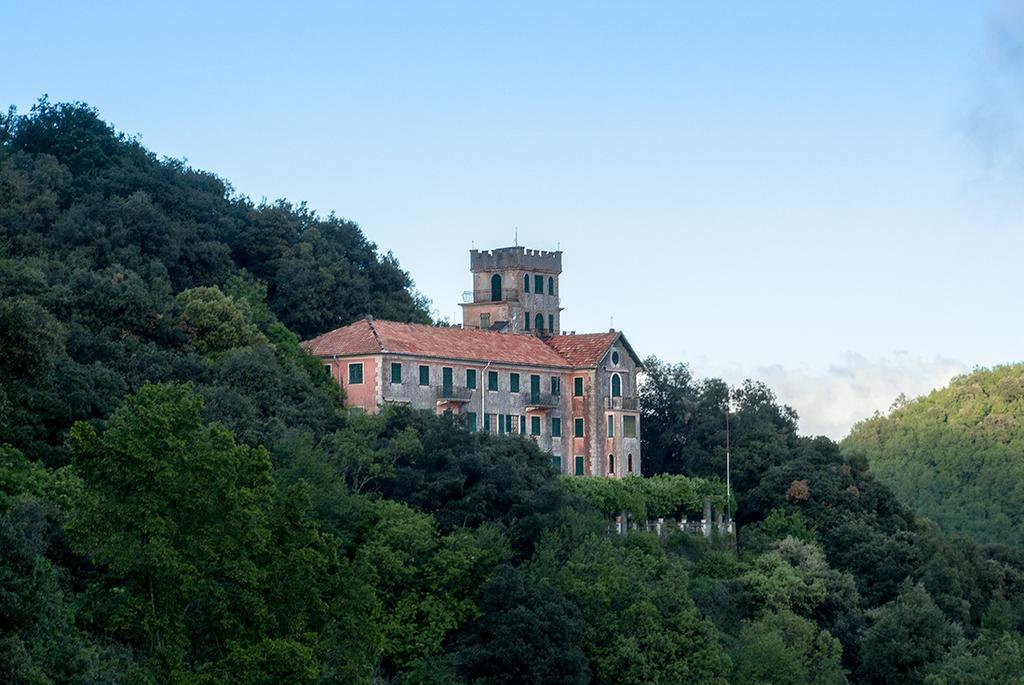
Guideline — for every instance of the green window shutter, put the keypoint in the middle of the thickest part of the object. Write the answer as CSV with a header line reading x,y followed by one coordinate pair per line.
x,y
487,423
527,316
538,284
551,324
501,424
551,285
578,428
534,425
579,466
513,382
556,463
526,283
355,374
471,379
629,426
611,426
471,421
446,378
492,380
556,386
616,385
522,425
556,427
396,372
424,375
577,386
508,423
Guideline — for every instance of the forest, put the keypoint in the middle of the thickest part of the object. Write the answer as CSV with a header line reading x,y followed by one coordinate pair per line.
x,y
183,498
954,455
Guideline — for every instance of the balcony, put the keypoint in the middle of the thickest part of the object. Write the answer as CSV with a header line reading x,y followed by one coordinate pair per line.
x,y
507,295
542,400
450,393
623,403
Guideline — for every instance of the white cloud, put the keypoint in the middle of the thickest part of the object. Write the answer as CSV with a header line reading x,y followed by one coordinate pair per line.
x,y
829,401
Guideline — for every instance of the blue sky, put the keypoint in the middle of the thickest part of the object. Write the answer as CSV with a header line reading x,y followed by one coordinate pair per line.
x,y
825,197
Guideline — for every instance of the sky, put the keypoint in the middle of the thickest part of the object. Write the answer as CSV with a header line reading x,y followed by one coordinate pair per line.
x,y
824,197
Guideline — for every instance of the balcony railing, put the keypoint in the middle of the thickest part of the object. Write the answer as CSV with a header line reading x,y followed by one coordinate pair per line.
x,y
451,393
542,400
623,403
507,294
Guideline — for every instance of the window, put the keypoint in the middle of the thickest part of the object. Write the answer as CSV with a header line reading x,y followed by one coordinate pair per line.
x,y
551,323
611,463
616,385
355,373
526,315
487,423
579,466
396,372
538,323
522,425
526,283
471,379
496,288
508,423
577,428
446,378
492,380
513,382
556,427
629,462
534,425
629,426
538,284
611,426
551,285
556,386
556,463
327,370
615,357
501,424
577,387
485,321
471,421
424,375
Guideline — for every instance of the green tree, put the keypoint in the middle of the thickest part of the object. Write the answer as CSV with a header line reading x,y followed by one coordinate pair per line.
x,y
784,649
905,637
216,322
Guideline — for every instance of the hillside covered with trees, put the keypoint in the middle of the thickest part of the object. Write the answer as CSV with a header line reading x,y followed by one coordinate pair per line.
x,y
957,454
183,498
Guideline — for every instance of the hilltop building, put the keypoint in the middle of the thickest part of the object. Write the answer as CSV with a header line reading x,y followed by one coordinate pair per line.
x,y
507,369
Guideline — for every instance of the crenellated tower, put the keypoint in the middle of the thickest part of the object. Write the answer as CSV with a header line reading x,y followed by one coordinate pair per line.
x,y
515,290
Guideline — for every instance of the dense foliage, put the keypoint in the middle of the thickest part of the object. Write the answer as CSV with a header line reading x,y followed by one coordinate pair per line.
x,y
183,498
834,545
957,454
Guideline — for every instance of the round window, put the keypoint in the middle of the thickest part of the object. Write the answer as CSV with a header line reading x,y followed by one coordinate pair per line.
x,y
615,357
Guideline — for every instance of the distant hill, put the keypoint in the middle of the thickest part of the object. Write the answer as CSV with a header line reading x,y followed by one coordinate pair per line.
x,y
956,455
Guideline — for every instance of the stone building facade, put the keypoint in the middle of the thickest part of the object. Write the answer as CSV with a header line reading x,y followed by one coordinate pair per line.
x,y
575,395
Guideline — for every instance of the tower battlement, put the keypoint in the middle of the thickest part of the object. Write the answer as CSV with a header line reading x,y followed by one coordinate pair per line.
x,y
547,261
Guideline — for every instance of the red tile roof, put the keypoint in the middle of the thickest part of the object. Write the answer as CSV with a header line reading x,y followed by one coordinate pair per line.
x,y
585,350
376,336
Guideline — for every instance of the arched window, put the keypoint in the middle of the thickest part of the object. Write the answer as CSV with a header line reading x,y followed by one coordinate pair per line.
x,y
526,283
611,463
538,323
551,285
496,288
629,462
616,385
